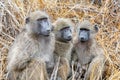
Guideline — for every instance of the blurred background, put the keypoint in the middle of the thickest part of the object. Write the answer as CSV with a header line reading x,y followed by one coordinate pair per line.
x,y
106,14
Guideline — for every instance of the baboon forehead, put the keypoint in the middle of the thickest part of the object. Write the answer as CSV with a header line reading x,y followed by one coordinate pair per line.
x,y
86,24
62,23
38,15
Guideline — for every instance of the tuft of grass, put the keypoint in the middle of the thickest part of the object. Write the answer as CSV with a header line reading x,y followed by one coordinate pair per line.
x,y
14,12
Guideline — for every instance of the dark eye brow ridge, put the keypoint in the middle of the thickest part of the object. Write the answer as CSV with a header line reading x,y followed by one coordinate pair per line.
x,y
84,29
64,28
42,19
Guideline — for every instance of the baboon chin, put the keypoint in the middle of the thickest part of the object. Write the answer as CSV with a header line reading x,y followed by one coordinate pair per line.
x,y
34,45
63,29
87,52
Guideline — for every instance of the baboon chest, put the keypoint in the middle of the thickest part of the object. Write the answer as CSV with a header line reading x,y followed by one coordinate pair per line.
x,y
44,51
63,49
84,55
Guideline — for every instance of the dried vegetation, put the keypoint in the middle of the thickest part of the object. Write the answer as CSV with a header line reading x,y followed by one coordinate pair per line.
x,y
14,12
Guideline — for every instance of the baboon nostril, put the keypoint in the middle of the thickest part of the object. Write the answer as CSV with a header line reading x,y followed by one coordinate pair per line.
x,y
82,38
70,37
48,31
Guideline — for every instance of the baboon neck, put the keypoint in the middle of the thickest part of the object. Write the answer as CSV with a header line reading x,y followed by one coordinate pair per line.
x,y
38,37
62,40
63,43
62,48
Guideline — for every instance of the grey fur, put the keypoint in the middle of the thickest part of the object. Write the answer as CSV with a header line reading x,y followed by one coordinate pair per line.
x,y
29,47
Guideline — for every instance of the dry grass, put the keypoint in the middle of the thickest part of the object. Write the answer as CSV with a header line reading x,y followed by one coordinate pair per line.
x,y
13,13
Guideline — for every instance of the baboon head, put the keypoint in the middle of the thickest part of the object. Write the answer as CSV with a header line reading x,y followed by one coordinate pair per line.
x,y
63,29
86,31
38,23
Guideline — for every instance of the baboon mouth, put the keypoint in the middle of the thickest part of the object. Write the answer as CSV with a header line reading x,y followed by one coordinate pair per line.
x,y
68,39
47,35
82,41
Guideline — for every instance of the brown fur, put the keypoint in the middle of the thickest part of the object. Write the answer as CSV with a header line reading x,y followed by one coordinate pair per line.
x,y
89,54
63,50
29,47
61,23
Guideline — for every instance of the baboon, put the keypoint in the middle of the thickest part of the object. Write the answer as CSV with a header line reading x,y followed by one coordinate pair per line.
x,y
33,46
63,29
88,53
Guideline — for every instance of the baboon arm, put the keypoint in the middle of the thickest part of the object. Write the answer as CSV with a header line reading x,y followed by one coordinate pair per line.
x,y
18,62
96,67
64,69
35,71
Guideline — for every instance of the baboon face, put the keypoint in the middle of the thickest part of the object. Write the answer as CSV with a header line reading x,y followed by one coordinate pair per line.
x,y
43,28
66,33
85,34
63,29
39,26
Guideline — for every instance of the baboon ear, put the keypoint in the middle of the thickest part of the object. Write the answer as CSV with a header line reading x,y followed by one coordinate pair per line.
x,y
96,28
27,20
